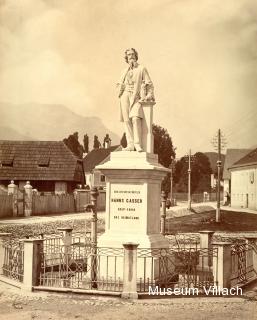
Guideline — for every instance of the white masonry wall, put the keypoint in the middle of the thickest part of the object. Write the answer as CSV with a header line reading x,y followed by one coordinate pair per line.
x,y
244,188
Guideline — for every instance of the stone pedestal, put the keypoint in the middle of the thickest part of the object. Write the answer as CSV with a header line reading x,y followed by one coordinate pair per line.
x,y
133,200
133,189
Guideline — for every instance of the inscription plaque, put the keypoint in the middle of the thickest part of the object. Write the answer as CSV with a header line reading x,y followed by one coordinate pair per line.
x,y
127,203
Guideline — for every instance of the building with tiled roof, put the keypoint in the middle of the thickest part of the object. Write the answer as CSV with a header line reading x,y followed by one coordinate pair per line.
x,y
48,165
243,181
232,156
95,157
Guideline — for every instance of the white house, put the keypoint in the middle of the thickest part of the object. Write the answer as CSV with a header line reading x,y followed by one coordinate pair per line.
x,y
232,156
243,182
95,157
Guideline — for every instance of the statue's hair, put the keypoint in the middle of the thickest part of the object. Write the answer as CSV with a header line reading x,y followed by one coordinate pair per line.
x,y
135,52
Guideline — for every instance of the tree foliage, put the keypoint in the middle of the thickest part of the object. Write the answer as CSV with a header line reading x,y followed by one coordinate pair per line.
x,y
107,140
163,146
123,141
72,142
96,144
200,173
86,143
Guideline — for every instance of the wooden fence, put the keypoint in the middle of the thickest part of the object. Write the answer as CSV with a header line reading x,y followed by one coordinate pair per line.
x,y
197,197
65,203
83,198
6,205
53,204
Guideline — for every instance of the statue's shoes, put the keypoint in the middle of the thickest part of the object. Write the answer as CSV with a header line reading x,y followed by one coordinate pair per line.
x,y
138,147
128,148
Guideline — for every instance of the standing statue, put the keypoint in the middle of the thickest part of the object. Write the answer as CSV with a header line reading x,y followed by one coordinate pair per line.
x,y
135,87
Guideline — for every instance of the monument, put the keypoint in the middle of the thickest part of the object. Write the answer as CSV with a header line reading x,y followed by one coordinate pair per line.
x,y
133,175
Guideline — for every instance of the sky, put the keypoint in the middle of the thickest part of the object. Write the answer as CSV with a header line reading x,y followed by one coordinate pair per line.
x,y
201,56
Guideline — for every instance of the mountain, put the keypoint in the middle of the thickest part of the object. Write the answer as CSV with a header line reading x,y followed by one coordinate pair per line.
x,y
49,122
213,157
7,133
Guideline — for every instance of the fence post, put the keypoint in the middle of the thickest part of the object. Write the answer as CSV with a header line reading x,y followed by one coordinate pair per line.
x,y
130,271
206,243
3,238
94,194
163,215
28,199
13,189
206,239
222,267
33,249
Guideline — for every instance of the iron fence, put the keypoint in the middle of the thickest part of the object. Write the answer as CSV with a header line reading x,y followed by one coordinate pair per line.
x,y
83,267
172,268
184,240
13,264
242,255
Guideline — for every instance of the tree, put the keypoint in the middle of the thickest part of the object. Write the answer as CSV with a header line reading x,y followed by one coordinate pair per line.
x,y
123,141
163,146
86,143
107,141
97,144
72,142
200,173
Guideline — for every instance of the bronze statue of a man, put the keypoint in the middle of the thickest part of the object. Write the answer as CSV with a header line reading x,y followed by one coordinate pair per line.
x,y
135,87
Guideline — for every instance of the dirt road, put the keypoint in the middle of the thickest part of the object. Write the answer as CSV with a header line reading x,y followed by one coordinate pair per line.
x,y
42,305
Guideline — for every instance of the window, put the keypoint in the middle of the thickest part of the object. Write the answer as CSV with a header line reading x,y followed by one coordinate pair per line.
x,y
102,178
7,162
44,161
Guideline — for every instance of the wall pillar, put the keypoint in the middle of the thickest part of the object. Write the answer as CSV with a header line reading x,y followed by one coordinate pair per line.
x,y
130,271
222,264
28,199
13,189
206,243
33,250
3,238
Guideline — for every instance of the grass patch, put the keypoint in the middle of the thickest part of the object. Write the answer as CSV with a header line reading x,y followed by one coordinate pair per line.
x,y
50,227
230,222
195,222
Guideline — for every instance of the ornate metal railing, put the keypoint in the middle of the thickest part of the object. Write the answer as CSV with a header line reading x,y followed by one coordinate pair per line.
x,y
13,266
173,268
242,255
82,267
52,243
184,240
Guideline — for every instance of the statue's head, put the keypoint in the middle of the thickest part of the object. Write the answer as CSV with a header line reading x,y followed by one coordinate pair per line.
x,y
131,54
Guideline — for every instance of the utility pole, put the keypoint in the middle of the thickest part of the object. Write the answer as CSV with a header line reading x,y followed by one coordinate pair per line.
x,y
219,143
218,189
171,180
189,180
